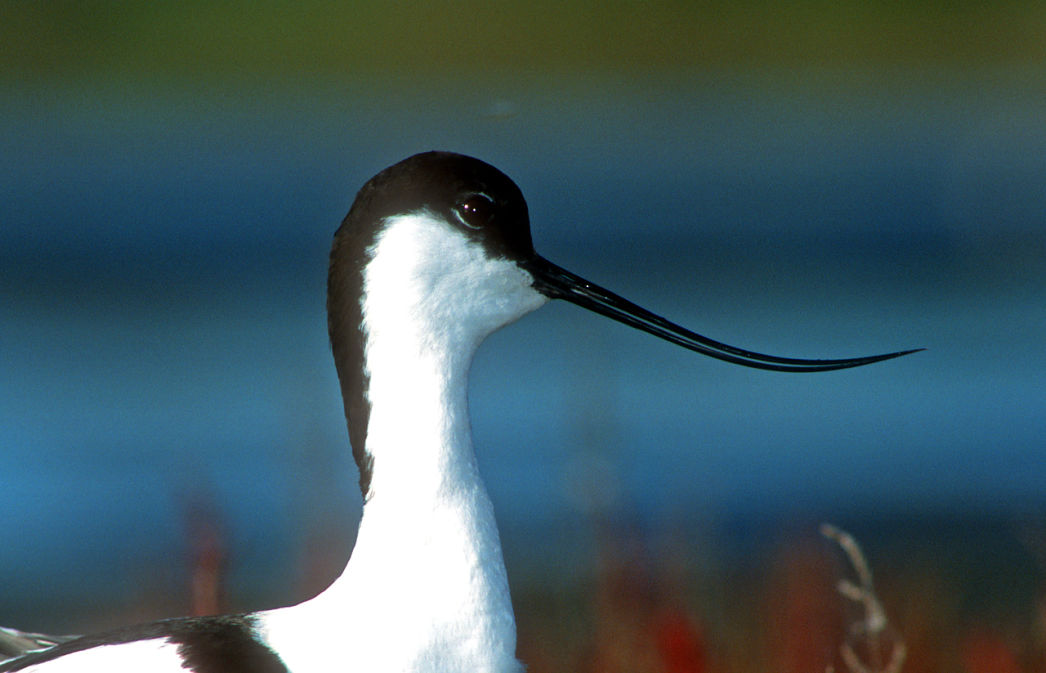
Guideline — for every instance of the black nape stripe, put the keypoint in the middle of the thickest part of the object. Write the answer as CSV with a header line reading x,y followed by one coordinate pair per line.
x,y
220,644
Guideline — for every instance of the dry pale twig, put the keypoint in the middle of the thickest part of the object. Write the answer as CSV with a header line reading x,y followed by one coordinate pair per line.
x,y
873,629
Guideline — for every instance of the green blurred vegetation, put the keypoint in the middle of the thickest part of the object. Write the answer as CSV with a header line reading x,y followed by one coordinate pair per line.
x,y
230,39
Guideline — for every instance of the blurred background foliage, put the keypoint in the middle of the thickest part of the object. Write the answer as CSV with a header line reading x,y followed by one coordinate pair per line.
x,y
271,39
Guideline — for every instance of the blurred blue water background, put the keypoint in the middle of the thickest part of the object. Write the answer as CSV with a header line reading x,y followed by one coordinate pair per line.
x,y
162,328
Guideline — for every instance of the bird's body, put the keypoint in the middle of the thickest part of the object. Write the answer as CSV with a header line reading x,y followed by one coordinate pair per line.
x,y
434,255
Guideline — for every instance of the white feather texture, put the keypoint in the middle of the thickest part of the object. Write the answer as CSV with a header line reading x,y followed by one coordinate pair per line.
x,y
153,656
425,588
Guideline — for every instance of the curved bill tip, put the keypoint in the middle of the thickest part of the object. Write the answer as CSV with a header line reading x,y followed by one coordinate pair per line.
x,y
558,283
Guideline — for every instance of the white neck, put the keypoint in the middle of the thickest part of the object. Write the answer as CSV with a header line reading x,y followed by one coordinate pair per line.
x,y
426,588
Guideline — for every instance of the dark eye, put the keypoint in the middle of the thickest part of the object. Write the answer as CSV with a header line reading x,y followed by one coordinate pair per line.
x,y
475,210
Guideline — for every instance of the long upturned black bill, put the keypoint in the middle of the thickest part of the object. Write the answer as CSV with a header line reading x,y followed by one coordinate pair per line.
x,y
558,283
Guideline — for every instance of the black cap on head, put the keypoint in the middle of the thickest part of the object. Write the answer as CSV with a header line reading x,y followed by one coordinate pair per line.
x,y
484,202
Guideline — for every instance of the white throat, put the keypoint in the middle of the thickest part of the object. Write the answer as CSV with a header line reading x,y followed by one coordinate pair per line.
x,y
425,588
